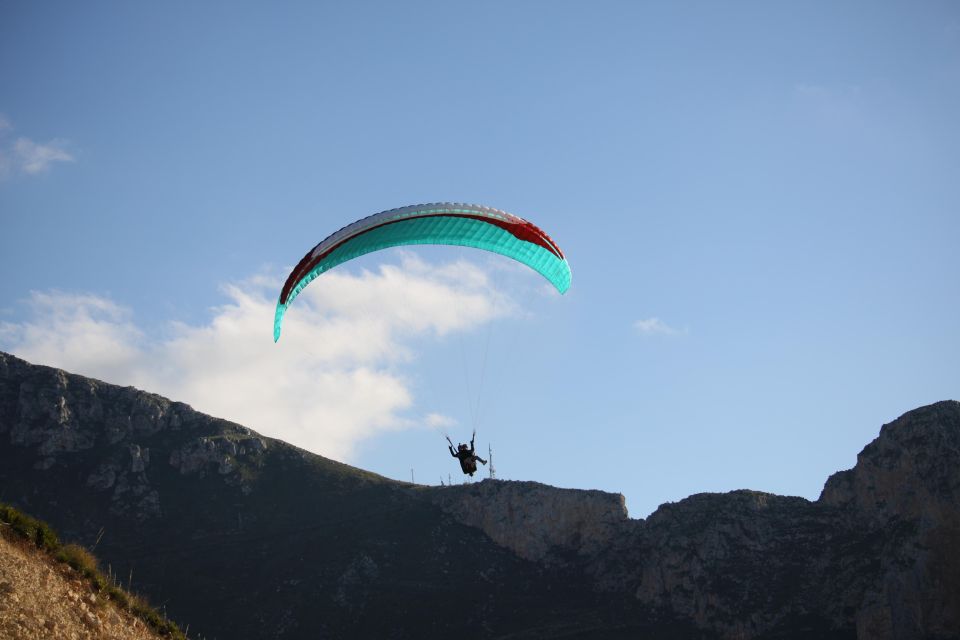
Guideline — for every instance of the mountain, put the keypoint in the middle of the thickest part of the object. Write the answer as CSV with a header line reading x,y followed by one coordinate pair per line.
x,y
242,536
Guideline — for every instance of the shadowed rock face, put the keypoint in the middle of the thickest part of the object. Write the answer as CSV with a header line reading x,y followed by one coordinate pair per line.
x,y
909,472
247,537
907,482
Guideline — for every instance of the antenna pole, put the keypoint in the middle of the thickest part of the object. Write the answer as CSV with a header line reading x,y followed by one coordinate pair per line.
x,y
493,472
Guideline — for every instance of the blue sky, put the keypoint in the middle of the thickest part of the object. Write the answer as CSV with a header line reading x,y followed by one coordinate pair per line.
x,y
760,203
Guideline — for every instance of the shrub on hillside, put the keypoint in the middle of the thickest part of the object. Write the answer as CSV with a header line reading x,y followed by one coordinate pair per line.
x,y
36,531
78,558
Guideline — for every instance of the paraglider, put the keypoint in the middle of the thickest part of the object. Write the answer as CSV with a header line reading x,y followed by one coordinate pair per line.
x,y
468,457
444,223
438,223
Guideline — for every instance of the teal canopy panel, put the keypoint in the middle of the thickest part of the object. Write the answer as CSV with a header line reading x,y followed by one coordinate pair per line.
x,y
440,223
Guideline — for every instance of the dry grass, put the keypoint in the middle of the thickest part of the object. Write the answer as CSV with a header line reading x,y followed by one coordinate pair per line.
x,y
78,558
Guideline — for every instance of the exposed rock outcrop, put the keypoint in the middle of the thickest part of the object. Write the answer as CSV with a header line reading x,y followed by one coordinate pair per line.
x,y
908,472
68,422
906,487
537,522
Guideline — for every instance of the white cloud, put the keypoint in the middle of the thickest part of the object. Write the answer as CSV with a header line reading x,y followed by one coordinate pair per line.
x,y
439,421
26,156
656,326
72,328
334,378
36,158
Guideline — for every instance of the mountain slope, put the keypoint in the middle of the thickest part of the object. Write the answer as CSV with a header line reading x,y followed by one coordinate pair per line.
x,y
243,536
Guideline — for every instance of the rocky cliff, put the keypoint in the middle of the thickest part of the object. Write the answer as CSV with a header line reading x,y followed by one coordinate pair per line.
x,y
905,488
535,521
244,536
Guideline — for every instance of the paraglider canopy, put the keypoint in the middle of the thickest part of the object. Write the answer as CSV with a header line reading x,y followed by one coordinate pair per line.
x,y
446,223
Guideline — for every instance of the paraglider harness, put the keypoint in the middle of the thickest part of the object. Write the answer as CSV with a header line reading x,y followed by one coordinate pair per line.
x,y
468,457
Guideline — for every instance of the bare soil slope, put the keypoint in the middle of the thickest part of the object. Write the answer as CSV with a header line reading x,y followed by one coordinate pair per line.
x,y
41,598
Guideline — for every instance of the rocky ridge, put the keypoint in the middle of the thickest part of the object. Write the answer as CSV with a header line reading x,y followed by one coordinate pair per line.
x,y
878,553
872,558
